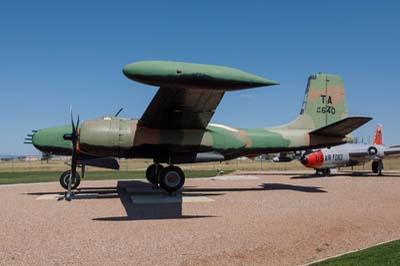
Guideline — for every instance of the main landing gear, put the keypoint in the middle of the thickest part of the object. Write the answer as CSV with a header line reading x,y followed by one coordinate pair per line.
x,y
377,167
170,178
325,172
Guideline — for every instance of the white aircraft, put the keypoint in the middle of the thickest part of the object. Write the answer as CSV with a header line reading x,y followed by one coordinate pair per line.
x,y
351,154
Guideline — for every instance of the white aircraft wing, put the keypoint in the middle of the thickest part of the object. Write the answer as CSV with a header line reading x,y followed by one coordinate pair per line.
x,y
392,151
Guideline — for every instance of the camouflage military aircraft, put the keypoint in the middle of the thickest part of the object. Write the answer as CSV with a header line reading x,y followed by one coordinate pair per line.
x,y
175,127
351,154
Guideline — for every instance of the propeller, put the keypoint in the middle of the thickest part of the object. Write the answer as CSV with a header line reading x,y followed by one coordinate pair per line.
x,y
73,137
303,156
119,111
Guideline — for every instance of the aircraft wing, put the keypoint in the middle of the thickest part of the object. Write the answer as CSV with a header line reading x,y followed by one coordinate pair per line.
x,y
189,93
358,153
181,108
384,151
393,151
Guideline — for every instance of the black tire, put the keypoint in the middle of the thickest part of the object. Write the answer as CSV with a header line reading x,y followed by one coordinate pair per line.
x,y
151,173
327,172
375,167
172,179
64,180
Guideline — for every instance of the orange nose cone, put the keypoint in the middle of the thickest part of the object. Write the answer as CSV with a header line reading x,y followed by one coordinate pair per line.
x,y
314,160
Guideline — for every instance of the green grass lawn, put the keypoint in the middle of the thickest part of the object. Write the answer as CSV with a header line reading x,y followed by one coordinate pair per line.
x,y
383,255
34,177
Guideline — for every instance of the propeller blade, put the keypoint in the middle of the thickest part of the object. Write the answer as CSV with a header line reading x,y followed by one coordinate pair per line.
x,y
119,111
74,158
72,123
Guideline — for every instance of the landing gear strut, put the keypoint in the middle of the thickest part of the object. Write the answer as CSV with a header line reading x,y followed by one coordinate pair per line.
x,y
170,178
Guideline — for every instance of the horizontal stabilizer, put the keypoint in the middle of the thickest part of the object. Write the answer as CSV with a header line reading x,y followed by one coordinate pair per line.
x,y
342,127
107,162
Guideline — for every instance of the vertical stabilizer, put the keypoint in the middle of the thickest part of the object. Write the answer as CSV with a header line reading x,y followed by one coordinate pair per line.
x,y
324,102
378,135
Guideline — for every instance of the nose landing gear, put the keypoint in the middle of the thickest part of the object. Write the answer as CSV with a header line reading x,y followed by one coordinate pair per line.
x,y
324,172
64,178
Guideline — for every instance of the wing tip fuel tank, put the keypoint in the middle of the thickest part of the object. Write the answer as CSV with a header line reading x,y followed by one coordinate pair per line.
x,y
189,75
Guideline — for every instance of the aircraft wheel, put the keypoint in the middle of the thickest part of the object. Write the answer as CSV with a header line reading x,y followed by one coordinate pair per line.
x,y
64,180
327,172
375,167
151,172
172,179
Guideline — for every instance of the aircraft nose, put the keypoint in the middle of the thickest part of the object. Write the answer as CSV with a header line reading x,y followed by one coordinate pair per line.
x,y
313,160
52,140
39,139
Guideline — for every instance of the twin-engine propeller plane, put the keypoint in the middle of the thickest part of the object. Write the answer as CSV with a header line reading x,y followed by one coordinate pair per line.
x,y
351,154
175,127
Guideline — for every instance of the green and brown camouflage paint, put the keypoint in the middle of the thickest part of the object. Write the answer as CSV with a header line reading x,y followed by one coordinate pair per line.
x,y
324,104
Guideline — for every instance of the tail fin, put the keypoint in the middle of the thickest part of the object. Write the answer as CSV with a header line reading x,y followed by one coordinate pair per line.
x,y
378,135
324,102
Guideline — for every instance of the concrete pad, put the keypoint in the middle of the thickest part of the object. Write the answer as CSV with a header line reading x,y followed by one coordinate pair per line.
x,y
50,197
159,199
235,177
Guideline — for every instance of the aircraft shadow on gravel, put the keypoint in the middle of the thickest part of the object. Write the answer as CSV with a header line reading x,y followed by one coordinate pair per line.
x,y
265,186
310,176
152,210
163,210
346,174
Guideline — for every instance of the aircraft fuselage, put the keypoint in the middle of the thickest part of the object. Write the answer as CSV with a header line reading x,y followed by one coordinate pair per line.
x,y
118,137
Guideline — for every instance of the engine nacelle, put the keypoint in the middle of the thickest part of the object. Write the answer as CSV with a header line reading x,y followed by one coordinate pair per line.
x,y
376,152
108,136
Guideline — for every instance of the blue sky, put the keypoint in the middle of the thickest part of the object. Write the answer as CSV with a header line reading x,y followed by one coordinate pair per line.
x,y
54,54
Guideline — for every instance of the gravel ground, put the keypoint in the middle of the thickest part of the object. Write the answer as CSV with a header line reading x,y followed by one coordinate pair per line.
x,y
274,219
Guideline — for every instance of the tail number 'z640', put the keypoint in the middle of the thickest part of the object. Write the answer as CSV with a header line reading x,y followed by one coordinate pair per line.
x,y
328,109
